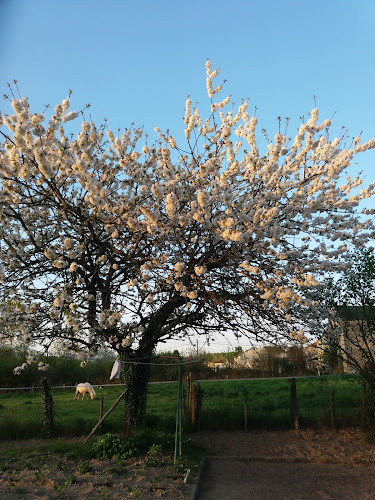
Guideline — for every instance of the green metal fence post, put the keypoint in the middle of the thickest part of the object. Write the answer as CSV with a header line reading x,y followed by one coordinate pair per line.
x,y
178,438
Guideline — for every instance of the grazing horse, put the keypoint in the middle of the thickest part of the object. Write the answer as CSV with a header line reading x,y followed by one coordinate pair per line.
x,y
85,388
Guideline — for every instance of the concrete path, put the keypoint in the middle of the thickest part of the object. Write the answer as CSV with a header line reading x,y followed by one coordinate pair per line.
x,y
234,478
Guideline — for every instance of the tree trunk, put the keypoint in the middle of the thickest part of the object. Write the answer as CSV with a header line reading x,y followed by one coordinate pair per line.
x,y
48,426
136,378
137,367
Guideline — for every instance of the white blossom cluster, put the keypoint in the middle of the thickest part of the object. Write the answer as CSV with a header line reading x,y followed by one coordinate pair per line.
x,y
29,361
103,227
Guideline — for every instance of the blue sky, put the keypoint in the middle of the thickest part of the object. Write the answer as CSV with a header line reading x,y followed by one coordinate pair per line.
x,y
137,61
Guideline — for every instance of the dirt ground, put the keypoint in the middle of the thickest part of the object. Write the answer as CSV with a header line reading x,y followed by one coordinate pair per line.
x,y
35,475
348,446
292,465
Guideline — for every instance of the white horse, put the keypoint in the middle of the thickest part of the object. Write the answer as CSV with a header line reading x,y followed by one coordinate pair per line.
x,y
85,388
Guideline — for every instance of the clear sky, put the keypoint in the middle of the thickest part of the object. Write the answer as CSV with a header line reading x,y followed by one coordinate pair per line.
x,y
136,61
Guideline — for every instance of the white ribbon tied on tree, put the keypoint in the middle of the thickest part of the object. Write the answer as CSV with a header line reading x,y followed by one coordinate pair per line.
x,y
116,368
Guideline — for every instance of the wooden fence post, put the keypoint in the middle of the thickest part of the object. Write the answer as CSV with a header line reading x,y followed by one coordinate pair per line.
x,y
189,391
104,416
245,407
198,408
293,404
194,399
193,403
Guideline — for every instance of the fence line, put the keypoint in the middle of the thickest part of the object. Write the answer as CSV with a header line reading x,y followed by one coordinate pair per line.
x,y
54,387
256,379
35,387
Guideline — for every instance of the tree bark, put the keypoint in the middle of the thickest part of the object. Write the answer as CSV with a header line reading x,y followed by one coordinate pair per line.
x,y
136,377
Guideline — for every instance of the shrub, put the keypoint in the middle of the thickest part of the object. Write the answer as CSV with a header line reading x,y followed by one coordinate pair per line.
x,y
112,446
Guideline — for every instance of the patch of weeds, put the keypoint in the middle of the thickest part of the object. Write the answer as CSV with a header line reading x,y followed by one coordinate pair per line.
x,y
60,488
135,474
69,450
70,480
117,469
84,468
134,492
11,453
14,478
107,482
187,467
20,490
4,466
43,458
105,493
155,479
59,492
58,447
59,465
40,475
80,452
25,464
154,455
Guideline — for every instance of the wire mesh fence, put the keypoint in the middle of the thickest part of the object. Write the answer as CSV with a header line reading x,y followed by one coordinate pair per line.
x,y
225,405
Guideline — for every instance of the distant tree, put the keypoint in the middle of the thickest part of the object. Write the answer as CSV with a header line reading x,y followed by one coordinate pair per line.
x,y
106,239
165,366
268,361
331,359
351,330
296,357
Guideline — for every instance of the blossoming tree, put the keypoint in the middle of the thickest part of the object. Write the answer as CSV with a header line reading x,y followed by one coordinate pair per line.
x,y
110,240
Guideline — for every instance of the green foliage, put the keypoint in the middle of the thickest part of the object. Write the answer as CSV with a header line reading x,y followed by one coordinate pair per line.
x,y
116,447
60,488
59,465
154,454
84,467
70,480
68,372
333,358
351,297
61,371
165,367
356,286
154,450
142,441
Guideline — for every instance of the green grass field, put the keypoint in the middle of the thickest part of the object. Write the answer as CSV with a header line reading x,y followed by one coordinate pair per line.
x,y
21,415
268,403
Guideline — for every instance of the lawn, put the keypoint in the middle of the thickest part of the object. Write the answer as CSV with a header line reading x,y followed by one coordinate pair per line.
x,y
268,402
21,414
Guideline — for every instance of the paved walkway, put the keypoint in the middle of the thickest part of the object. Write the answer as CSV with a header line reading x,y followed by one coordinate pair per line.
x,y
232,478
290,465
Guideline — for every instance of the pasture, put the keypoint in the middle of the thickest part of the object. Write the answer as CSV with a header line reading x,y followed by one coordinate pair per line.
x,y
21,414
268,403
